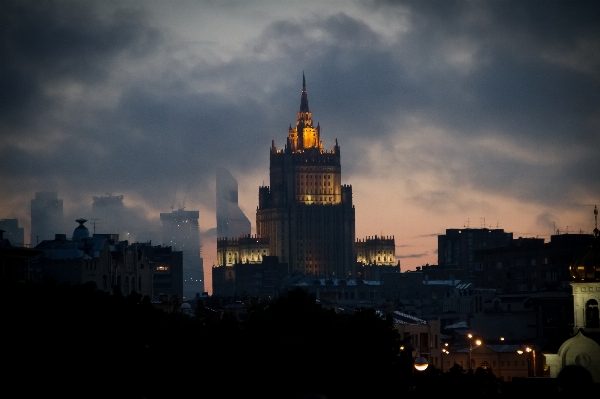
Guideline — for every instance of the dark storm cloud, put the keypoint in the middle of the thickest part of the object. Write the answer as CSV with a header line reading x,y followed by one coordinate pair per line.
x,y
158,131
149,123
49,41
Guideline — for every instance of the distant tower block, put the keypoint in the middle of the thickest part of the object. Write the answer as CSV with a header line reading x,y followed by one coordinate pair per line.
x,y
111,214
46,217
181,231
231,221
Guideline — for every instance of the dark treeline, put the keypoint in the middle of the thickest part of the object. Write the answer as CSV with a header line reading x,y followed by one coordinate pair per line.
x,y
79,342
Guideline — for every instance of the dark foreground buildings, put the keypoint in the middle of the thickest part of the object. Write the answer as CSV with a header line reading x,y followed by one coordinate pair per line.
x,y
113,266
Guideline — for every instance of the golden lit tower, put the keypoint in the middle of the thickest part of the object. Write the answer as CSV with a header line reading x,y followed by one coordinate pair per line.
x,y
306,212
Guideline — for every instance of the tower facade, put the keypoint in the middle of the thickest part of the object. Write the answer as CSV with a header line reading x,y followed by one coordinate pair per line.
x,y
306,212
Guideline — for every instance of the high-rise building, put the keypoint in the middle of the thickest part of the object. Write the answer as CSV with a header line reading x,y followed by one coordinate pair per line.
x,y
180,230
306,212
46,217
109,215
231,221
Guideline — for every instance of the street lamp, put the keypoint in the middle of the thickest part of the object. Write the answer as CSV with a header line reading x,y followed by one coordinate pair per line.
x,y
530,360
477,342
421,363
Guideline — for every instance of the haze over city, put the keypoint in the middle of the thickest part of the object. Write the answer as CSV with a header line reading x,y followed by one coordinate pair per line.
x,y
448,114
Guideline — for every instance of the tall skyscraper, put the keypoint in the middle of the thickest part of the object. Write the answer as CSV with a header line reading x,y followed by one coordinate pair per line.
x,y
231,221
180,230
46,217
109,216
306,212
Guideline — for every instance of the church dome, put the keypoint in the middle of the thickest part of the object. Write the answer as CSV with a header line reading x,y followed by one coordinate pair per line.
x,y
587,266
80,231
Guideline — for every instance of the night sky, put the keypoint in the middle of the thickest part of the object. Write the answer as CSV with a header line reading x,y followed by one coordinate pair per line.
x,y
447,113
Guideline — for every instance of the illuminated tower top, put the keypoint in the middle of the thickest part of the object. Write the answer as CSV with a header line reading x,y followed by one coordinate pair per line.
x,y
304,136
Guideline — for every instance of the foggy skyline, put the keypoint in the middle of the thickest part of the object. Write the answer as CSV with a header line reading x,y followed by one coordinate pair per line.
x,y
447,113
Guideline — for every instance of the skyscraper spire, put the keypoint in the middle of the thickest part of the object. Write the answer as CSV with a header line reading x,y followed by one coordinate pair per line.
x,y
304,99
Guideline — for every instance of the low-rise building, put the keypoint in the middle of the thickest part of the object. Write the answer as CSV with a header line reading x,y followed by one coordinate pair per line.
x,y
255,279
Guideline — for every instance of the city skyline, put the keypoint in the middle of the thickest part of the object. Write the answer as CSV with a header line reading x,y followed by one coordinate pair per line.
x,y
454,114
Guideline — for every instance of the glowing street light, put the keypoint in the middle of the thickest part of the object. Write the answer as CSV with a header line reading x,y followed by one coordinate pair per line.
x,y
421,363
477,342
530,360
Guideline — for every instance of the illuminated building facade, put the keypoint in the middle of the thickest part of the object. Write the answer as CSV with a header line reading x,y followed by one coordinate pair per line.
x,y
375,256
306,212
376,250
245,250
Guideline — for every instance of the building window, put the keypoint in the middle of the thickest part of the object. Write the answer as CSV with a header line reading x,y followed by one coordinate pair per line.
x,y
592,317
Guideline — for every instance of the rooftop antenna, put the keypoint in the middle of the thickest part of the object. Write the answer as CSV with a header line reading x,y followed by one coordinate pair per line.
x,y
596,231
94,224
